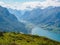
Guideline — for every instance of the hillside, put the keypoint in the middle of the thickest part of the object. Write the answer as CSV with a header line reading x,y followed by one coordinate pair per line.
x,y
24,39
48,18
9,22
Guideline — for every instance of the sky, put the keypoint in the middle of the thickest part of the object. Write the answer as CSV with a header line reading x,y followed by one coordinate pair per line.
x,y
8,1
27,4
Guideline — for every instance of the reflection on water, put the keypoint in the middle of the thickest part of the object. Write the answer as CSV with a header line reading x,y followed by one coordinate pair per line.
x,y
41,32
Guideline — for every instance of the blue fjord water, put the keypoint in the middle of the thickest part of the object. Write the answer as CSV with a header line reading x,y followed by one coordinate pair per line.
x,y
39,31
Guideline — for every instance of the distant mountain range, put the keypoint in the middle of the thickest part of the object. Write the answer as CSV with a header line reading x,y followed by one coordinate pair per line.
x,y
9,22
48,18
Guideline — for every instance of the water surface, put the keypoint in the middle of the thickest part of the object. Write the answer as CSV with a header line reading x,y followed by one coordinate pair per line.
x,y
39,31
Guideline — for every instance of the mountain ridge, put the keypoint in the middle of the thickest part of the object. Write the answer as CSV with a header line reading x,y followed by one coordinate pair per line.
x,y
48,18
9,22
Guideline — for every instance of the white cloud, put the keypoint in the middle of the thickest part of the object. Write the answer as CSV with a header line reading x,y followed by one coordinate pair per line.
x,y
5,4
50,3
2,3
30,5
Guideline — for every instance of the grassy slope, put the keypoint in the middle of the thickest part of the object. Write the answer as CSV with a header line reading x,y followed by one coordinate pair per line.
x,y
23,39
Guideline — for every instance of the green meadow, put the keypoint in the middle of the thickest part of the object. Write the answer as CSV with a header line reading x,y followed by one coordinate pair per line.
x,y
11,38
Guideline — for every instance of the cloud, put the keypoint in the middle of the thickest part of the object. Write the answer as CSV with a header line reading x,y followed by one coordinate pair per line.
x,y
2,3
50,3
44,4
5,4
31,5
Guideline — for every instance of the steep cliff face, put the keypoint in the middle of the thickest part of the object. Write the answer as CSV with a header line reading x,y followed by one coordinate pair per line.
x,y
8,22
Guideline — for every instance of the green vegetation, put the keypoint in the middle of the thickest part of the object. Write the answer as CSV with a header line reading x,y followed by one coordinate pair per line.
x,y
11,38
